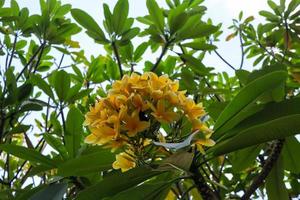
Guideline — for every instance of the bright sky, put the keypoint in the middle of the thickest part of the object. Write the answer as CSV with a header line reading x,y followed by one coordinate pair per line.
x,y
218,10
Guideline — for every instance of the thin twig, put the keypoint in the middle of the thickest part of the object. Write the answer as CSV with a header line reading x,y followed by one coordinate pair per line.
x,y
39,58
164,50
286,40
13,51
270,162
242,48
30,61
187,191
116,52
225,61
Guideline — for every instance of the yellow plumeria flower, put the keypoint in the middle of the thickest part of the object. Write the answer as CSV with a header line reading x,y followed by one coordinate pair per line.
x,y
116,120
134,125
204,142
101,135
162,114
124,161
192,109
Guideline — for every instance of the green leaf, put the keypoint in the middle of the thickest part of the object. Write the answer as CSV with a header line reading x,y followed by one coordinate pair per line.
x,y
56,144
27,192
177,18
97,161
24,91
74,131
19,129
156,14
195,64
140,50
62,83
244,98
116,183
30,106
291,7
291,158
131,33
180,160
108,19
248,19
200,46
275,121
194,28
42,84
52,192
90,24
242,76
274,183
62,10
6,12
244,158
147,191
27,154
120,14
215,108
270,16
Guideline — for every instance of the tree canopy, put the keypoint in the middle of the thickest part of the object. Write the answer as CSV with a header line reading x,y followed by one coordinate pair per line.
x,y
120,125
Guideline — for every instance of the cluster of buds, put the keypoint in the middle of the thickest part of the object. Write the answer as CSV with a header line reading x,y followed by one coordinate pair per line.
x,y
129,118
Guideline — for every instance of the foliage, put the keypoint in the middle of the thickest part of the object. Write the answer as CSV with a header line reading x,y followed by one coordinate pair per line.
x,y
52,100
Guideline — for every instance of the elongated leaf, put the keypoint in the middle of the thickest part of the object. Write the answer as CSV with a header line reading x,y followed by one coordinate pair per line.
x,y
62,84
274,183
177,18
270,16
195,64
52,192
120,15
245,97
86,164
56,144
245,157
147,191
27,154
89,23
116,183
271,130
156,14
74,131
199,46
291,158
292,6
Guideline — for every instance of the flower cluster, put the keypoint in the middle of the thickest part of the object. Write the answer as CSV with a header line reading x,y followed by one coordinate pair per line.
x,y
133,106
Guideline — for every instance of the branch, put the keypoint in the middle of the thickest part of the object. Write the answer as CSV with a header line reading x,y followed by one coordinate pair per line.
x,y
242,48
286,40
39,58
30,61
187,192
225,61
115,49
13,51
205,191
164,50
267,167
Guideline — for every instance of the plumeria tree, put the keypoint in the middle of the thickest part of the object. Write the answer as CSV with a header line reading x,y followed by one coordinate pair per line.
x,y
120,126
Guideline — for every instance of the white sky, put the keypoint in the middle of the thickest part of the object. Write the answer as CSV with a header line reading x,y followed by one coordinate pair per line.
x,y
218,10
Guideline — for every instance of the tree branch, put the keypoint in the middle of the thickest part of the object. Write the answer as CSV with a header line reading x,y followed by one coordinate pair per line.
x,y
242,48
270,162
164,50
13,51
205,191
225,61
116,52
30,61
